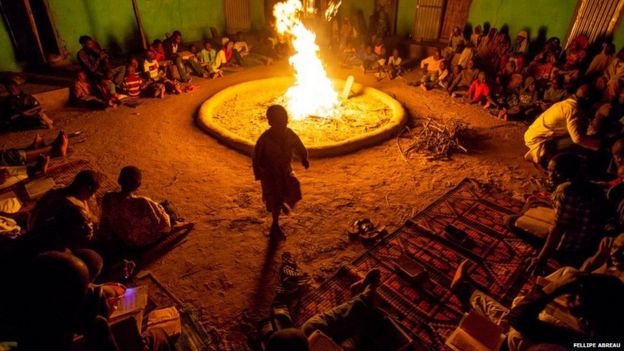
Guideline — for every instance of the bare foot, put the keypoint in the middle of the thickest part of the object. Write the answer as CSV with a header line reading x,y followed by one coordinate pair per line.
x,y
372,280
285,210
277,233
41,167
60,145
37,143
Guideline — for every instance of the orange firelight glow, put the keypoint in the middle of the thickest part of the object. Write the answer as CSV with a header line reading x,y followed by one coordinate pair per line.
x,y
312,93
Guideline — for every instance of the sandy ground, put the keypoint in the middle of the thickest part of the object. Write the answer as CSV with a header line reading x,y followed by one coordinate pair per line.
x,y
226,266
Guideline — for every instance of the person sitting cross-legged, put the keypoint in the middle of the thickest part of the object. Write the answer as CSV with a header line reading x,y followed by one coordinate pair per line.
x,y
135,222
24,110
62,218
581,211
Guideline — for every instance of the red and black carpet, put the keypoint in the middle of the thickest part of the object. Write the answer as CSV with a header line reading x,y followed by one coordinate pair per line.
x,y
428,310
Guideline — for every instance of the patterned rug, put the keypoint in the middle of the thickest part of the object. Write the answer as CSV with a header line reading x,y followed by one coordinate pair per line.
x,y
428,310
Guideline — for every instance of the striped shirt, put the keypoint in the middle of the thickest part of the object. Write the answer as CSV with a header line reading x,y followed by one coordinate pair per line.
x,y
132,85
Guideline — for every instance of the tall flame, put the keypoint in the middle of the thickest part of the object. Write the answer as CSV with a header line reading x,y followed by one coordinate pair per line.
x,y
312,93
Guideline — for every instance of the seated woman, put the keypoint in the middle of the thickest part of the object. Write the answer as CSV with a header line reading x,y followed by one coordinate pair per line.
x,y
136,222
25,111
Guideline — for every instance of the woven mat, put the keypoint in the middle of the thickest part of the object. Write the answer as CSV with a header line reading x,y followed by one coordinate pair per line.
x,y
429,311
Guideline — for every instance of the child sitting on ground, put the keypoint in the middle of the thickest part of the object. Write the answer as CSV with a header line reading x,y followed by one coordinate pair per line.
x,y
432,66
442,81
108,90
479,91
159,84
83,94
463,80
368,58
25,111
394,65
133,85
208,59
526,106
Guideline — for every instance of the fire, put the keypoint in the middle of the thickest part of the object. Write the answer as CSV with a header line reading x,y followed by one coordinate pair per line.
x,y
312,93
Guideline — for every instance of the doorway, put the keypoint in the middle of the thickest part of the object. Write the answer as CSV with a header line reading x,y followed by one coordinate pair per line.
x,y
435,19
32,31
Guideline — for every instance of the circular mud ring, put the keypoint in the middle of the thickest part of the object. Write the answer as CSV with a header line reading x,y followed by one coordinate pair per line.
x,y
230,128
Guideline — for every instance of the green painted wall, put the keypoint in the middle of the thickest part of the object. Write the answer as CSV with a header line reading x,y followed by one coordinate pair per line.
x,y
405,17
351,7
7,55
618,36
257,14
112,22
554,15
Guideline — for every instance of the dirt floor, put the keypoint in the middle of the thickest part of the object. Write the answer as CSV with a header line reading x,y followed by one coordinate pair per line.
x,y
226,267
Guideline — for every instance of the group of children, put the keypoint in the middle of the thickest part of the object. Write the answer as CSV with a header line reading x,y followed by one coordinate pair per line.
x,y
373,58
165,70
509,82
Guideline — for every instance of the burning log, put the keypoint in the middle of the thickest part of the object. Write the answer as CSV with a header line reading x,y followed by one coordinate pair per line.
x,y
437,140
347,88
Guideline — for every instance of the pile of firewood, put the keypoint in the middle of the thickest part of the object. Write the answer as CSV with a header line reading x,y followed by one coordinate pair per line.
x,y
437,140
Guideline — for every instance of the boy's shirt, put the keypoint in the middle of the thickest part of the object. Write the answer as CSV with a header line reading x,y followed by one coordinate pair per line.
x,y
433,65
132,85
208,56
394,61
151,68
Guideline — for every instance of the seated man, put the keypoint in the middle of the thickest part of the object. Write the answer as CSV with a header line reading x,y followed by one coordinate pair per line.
x,y
173,49
62,218
135,221
25,111
95,62
580,214
560,128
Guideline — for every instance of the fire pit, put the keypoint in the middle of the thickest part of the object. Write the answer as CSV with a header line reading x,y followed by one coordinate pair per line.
x,y
236,117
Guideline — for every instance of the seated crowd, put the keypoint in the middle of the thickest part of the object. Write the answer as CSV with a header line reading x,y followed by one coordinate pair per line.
x,y
574,100
166,68
67,245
